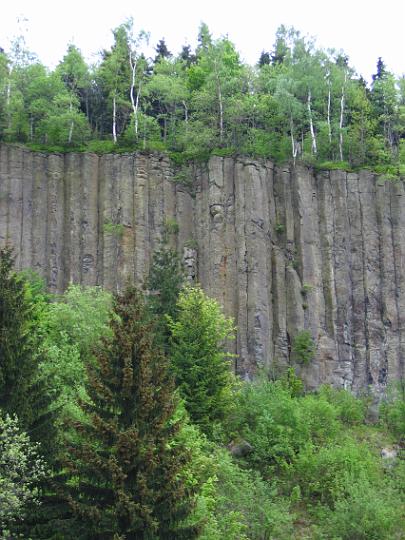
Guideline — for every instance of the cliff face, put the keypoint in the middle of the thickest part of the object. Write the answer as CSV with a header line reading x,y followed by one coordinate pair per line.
x,y
281,250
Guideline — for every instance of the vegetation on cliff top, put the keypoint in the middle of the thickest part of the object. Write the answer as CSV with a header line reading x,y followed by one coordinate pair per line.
x,y
298,102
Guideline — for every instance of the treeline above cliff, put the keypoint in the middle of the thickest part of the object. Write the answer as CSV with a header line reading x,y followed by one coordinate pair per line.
x,y
298,102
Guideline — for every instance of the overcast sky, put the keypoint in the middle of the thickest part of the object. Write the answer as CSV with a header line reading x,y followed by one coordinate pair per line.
x,y
364,29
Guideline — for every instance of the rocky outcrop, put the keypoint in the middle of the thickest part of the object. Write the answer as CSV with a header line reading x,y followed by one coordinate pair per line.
x,y
282,250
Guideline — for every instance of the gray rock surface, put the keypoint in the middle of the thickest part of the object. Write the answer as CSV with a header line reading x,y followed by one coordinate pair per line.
x,y
282,250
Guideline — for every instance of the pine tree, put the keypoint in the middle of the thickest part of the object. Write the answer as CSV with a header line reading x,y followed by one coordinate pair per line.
x,y
161,51
22,392
164,283
264,59
128,467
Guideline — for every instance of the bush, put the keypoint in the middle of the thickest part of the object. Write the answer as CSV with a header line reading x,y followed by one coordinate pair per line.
x,y
271,421
393,411
367,512
243,506
21,468
324,474
320,418
350,410
303,347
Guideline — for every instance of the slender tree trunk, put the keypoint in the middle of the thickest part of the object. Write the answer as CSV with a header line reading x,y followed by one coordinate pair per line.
x,y
114,125
134,102
294,146
329,106
71,125
221,114
138,94
314,148
342,108
8,98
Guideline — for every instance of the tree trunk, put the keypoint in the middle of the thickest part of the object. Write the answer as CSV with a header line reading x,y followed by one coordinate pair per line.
x,y
329,104
136,110
71,126
314,148
294,146
114,125
8,98
134,102
342,108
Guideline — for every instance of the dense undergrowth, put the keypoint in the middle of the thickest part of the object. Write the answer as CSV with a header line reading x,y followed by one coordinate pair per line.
x,y
261,460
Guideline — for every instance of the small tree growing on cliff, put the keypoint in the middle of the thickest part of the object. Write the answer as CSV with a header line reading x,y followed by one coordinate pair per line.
x,y
128,467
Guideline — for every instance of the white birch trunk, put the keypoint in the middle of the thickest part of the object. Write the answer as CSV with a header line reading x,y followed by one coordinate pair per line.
x,y
71,126
342,108
329,104
114,124
314,148
8,98
134,102
138,94
294,146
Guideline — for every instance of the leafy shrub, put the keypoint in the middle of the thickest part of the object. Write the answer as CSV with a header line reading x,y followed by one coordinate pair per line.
x,y
303,347
324,474
350,410
21,468
393,411
367,512
320,418
244,506
271,421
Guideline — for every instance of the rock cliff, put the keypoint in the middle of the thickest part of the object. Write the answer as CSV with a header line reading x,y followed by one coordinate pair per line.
x,y
282,250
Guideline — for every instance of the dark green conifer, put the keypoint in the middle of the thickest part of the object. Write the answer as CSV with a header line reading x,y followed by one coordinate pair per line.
x,y
164,283
22,392
128,470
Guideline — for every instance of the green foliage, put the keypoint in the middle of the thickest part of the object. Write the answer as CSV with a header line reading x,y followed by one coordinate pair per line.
x,y
80,316
127,472
324,473
22,390
165,280
303,347
199,362
170,227
300,103
72,328
115,229
243,506
393,410
349,409
268,418
21,469
367,512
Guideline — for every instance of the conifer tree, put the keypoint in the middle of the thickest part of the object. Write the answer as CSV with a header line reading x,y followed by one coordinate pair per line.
x,y
22,392
165,281
198,359
128,466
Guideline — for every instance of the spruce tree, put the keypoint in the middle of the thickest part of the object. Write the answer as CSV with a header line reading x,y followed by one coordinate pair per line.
x,y
164,283
22,392
127,468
